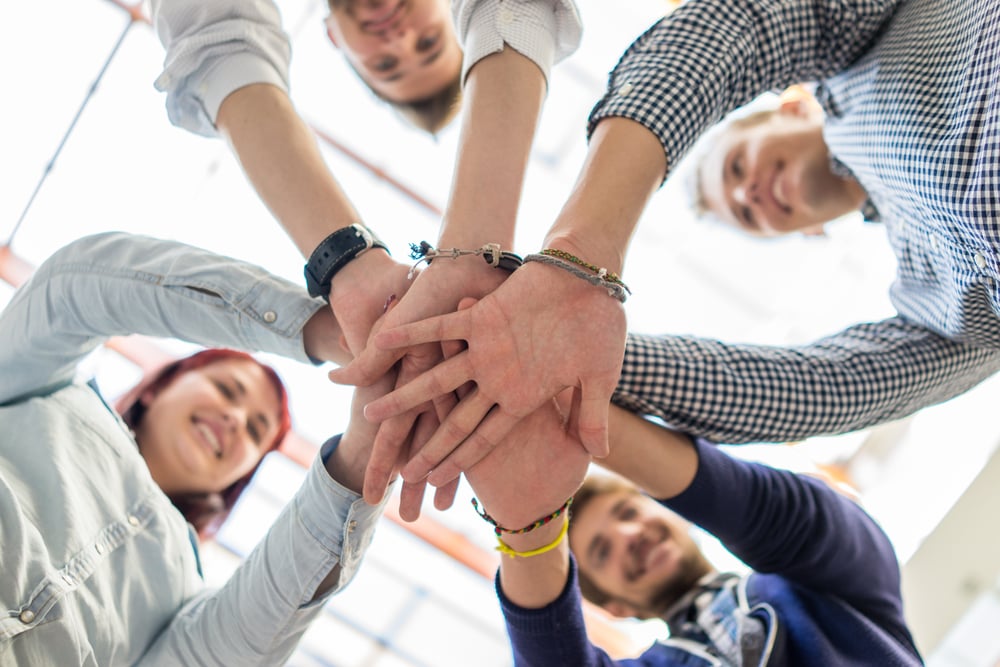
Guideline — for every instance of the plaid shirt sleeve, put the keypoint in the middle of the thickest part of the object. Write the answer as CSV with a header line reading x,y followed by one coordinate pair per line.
x,y
711,56
865,375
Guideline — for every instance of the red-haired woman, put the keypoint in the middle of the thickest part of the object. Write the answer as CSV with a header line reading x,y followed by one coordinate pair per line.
x,y
100,566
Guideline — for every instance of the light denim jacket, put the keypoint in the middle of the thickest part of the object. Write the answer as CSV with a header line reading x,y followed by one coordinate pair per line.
x,y
97,566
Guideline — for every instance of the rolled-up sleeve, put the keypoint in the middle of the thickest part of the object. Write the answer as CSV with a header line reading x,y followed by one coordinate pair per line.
x,y
544,31
212,50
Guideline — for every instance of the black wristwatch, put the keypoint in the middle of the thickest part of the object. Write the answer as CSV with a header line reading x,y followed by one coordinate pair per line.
x,y
333,253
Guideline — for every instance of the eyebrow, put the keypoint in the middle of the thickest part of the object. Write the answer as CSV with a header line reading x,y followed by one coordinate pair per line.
x,y
427,61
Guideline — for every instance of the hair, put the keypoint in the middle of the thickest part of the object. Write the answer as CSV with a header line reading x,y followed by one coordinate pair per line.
x,y
592,487
695,186
205,511
430,114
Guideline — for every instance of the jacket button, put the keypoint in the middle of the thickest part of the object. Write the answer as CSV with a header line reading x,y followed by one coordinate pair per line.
x,y
27,616
270,317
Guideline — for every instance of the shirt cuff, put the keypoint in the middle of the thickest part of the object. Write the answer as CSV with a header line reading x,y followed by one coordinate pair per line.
x,y
531,31
232,73
338,519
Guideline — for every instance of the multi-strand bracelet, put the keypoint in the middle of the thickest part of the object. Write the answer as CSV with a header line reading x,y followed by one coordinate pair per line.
x,y
491,252
503,548
500,530
593,274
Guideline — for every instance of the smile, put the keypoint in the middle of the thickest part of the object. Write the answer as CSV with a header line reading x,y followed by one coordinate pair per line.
x,y
209,438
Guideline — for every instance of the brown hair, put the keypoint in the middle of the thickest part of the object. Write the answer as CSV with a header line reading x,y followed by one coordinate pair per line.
x,y
205,511
592,487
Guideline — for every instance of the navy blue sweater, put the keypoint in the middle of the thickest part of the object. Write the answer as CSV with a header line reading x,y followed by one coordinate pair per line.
x,y
821,565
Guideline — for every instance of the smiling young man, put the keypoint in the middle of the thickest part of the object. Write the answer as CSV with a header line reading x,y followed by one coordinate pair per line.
x,y
825,585
772,173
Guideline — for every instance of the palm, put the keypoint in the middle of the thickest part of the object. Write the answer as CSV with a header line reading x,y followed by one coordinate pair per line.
x,y
540,332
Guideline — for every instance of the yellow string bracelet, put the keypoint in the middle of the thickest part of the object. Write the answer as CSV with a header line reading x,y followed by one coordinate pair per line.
x,y
507,551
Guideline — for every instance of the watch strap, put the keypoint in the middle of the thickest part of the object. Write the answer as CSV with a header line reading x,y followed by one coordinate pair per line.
x,y
333,253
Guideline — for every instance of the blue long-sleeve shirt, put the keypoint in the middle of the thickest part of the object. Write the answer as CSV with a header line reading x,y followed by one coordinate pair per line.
x,y
825,583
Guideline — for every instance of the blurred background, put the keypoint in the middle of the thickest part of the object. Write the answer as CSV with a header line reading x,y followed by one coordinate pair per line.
x,y
85,146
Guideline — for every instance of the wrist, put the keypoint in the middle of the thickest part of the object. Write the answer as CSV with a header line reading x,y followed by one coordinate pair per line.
x,y
336,252
346,465
321,338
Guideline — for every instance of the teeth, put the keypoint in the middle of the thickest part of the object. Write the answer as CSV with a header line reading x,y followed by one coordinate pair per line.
x,y
210,436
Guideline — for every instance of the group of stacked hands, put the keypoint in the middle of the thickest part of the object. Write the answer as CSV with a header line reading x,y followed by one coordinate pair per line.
x,y
516,371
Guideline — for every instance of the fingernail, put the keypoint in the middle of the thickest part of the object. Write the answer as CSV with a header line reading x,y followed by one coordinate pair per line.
x,y
388,302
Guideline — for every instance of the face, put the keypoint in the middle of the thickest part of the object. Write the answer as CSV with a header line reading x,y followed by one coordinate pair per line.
x,y
774,177
405,50
209,427
637,551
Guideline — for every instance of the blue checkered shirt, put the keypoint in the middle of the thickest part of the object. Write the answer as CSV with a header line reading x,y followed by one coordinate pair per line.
x,y
910,89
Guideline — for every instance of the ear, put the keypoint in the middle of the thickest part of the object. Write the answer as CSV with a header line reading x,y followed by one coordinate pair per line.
x,y
330,20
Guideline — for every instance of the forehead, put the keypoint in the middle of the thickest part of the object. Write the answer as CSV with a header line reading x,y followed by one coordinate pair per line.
x,y
712,169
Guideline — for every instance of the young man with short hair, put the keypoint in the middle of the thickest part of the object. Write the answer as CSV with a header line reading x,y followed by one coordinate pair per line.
x,y
825,589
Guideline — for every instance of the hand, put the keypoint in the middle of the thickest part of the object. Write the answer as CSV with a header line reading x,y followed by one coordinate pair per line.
x,y
532,472
542,331
437,289
361,292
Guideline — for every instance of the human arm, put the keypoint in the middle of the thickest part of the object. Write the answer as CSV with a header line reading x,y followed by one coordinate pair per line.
x,y
311,552
119,284
774,520
865,375
226,72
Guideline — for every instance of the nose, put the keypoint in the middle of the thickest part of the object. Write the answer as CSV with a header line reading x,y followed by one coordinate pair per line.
x,y
235,418
746,193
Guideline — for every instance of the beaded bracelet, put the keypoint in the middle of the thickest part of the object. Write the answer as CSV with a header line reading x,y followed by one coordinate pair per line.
x,y
503,548
499,530
618,290
498,259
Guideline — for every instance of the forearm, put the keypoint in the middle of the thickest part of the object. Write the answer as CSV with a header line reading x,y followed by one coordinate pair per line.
x,y
535,581
117,284
503,97
280,157
865,375
262,611
624,167
662,462
711,56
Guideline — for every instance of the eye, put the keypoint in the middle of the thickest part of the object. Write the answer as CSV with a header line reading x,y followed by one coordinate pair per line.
x,y
627,514
428,42
747,216
224,389
385,64
254,433
736,166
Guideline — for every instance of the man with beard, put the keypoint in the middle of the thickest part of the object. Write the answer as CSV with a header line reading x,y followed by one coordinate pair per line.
x,y
825,585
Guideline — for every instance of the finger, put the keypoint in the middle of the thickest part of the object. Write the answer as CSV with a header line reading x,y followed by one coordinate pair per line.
x,y
442,379
475,447
592,424
460,423
450,326
444,496
366,368
411,498
389,442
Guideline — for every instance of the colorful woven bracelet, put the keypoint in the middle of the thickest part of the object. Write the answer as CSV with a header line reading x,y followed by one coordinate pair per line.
x,y
615,290
507,551
500,530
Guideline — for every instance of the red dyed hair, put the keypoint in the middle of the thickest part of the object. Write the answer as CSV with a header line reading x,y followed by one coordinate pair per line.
x,y
205,511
